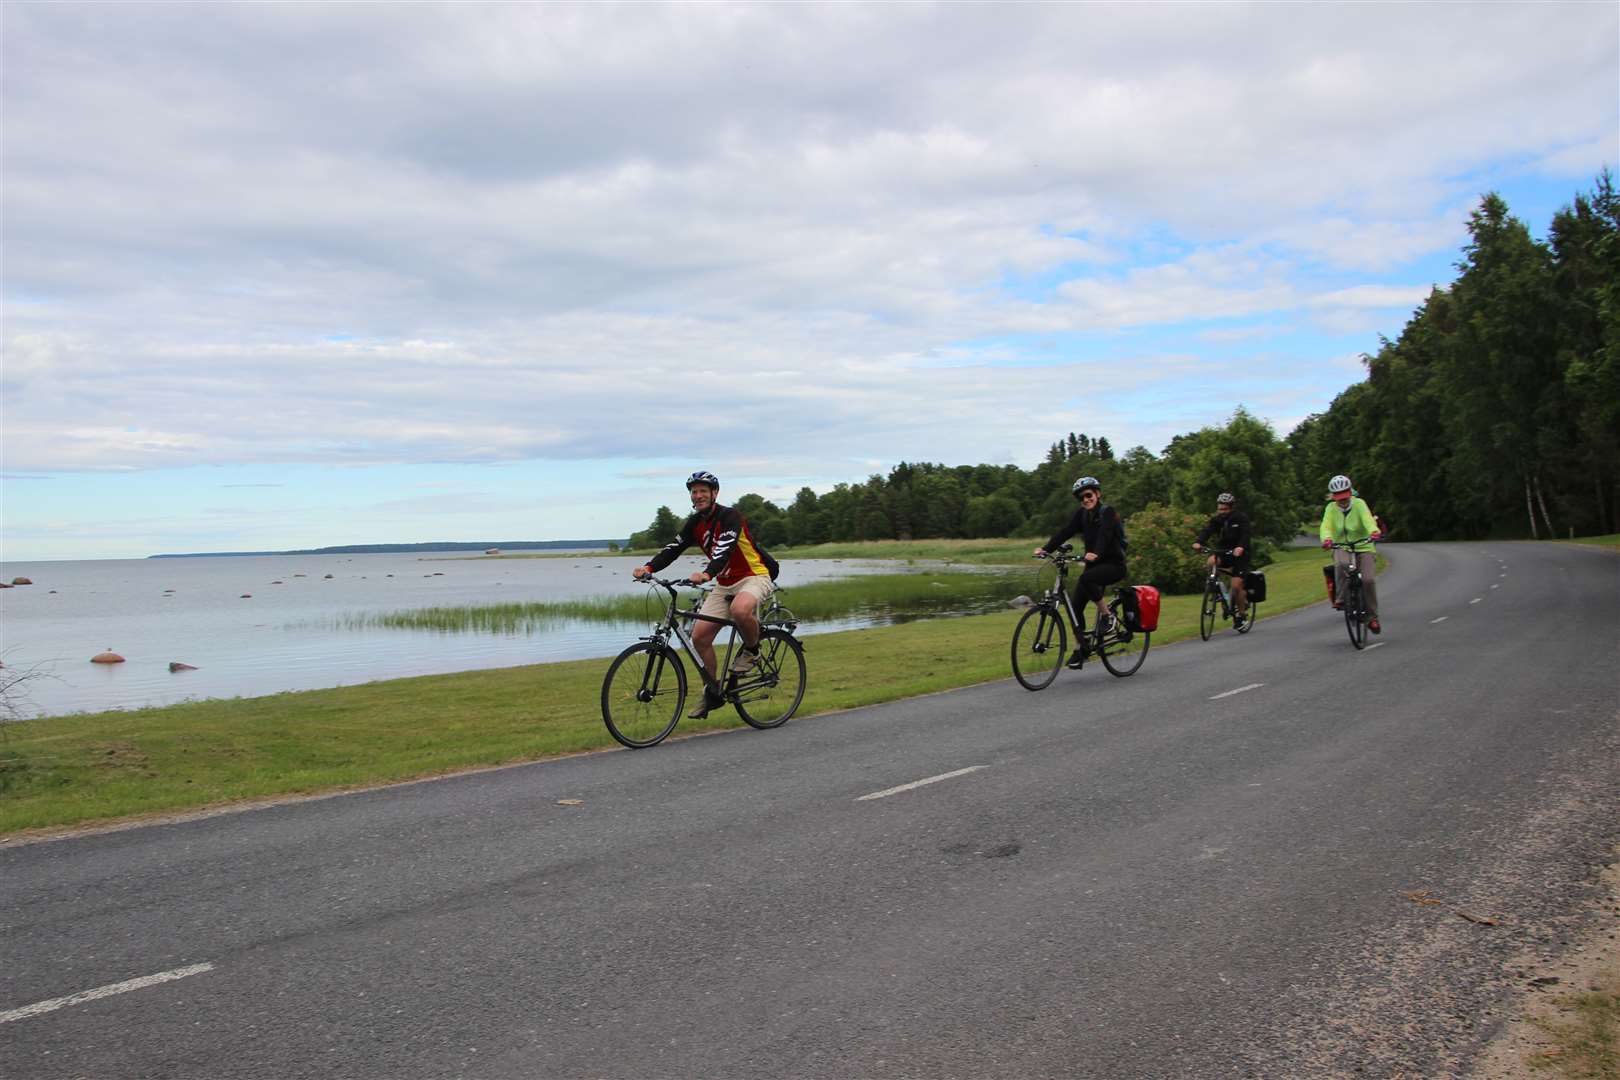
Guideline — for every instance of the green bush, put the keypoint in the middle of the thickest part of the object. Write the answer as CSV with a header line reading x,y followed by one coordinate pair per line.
x,y
1161,554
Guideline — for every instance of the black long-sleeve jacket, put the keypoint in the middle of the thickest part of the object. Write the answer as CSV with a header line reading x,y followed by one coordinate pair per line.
x,y
1233,529
1101,530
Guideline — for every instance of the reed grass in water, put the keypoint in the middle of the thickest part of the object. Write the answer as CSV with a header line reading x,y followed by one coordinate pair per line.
x,y
881,597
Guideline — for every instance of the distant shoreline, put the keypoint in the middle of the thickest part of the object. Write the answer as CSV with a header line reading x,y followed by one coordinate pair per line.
x,y
389,549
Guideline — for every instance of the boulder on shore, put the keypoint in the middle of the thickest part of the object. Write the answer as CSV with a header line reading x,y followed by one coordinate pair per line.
x,y
108,657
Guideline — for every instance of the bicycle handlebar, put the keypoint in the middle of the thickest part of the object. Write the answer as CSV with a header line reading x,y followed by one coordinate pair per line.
x,y
1351,546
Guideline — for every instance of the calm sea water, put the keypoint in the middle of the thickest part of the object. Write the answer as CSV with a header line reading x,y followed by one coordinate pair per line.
x,y
285,635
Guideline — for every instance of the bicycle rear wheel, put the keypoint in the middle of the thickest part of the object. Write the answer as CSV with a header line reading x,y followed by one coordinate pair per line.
x,y
1039,646
1212,605
1122,657
1249,617
643,694
1355,619
768,694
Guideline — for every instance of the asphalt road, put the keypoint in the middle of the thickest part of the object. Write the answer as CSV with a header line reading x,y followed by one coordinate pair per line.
x,y
1123,878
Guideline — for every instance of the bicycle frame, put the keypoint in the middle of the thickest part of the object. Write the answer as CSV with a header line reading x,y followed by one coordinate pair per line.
x,y
675,616
1353,566
1066,603
1217,569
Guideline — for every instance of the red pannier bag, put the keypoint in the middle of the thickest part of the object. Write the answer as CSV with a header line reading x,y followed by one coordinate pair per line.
x,y
1147,602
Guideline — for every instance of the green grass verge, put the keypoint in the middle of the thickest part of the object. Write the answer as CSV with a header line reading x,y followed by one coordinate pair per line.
x,y
79,769
1585,1035
1611,541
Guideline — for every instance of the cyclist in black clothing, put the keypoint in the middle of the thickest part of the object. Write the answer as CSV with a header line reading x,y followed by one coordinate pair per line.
x,y
1232,527
1102,531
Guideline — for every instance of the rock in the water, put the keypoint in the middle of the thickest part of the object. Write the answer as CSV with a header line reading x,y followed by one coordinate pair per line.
x,y
175,665
245,596
22,581
106,658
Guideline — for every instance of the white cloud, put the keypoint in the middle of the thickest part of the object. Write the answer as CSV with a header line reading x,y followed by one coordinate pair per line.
x,y
248,234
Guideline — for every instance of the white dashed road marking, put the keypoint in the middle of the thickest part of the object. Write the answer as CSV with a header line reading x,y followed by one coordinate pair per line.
x,y
1375,645
920,783
102,991
1442,618
1476,599
1239,690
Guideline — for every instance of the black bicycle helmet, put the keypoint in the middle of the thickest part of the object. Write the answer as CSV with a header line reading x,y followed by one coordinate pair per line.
x,y
703,476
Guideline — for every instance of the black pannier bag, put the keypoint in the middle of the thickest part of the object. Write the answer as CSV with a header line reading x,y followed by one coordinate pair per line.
x,y
1254,583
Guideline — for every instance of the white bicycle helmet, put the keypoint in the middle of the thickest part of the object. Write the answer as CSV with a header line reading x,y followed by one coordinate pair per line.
x,y
703,476
1225,498
1086,482
1338,483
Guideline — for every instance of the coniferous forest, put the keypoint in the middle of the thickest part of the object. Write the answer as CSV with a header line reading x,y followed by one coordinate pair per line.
x,y
1494,413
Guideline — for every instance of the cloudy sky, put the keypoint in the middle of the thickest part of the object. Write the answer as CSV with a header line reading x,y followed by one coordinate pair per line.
x,y
290,275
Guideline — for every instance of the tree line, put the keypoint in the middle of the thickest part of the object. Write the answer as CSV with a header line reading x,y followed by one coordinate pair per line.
x,y
1496,412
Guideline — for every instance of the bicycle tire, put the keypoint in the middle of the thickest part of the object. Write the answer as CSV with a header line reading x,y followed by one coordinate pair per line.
x,y
1123,658
1355,621
1249,618
767,695
639,707
1206,615
1039,647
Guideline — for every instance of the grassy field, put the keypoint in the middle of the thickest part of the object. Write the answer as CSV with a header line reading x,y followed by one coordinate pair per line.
x,y
97,767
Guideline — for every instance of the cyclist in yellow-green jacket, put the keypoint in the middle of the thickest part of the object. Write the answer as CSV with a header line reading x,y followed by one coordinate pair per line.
x,y
1347,519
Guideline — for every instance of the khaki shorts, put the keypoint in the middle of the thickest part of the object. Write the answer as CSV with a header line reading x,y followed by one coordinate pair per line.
x,y
718,603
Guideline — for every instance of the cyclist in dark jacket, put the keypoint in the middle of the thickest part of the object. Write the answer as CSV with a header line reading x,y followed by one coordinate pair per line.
x,y
1103,534
1232,527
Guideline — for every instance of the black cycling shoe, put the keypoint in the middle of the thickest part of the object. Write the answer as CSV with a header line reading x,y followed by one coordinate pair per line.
x,y
1077,660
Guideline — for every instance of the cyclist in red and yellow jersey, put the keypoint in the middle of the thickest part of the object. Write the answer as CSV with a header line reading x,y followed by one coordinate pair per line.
x,y
743,572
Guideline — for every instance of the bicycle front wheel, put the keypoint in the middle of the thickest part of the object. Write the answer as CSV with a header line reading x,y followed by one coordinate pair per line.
x,y
1212,605
768,694
1355,619
1122,657
643,694
1038,647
